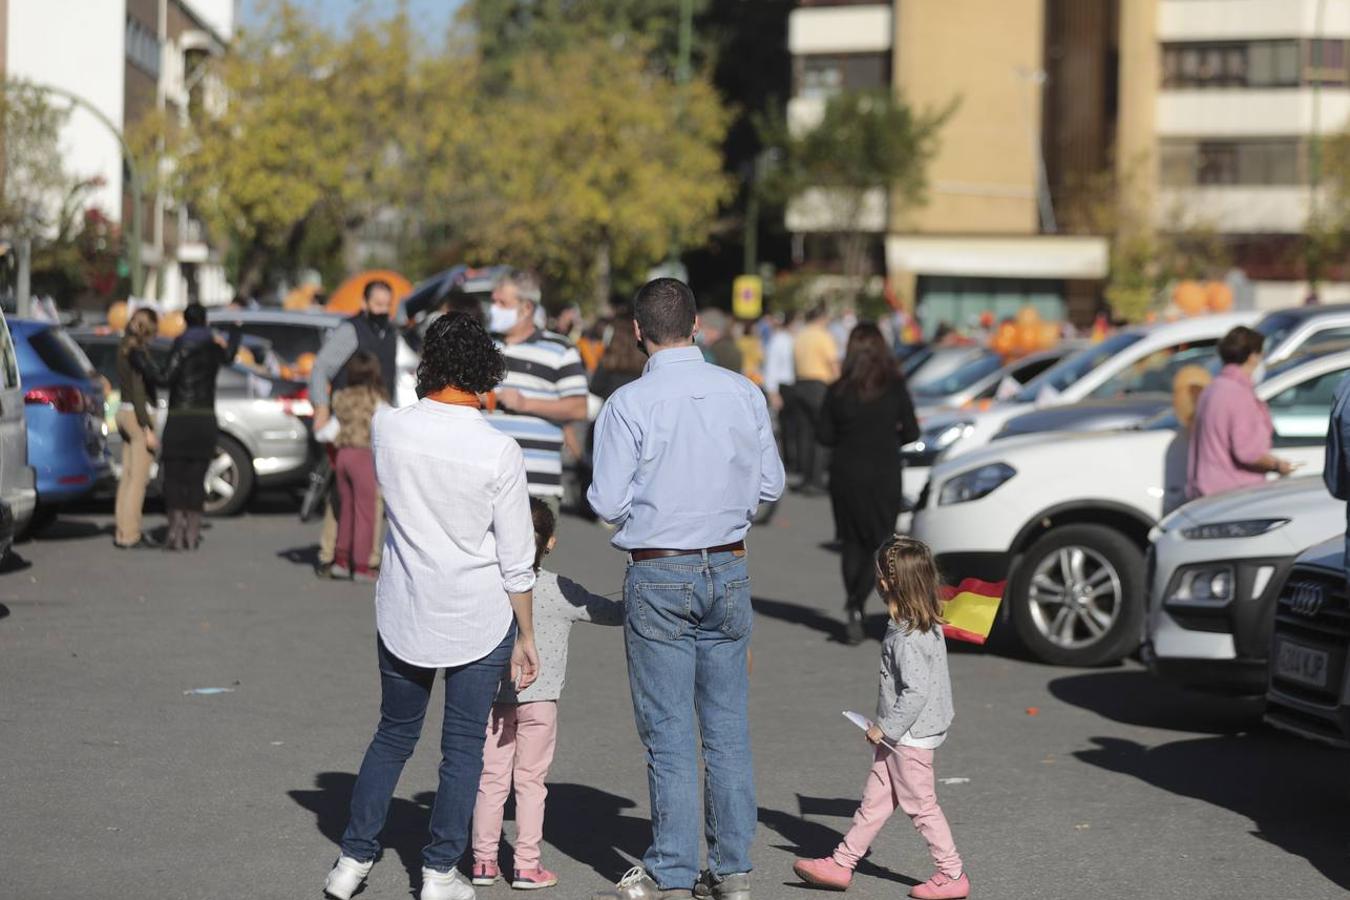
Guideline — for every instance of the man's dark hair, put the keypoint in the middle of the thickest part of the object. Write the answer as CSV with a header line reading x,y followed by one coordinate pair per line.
x,y
817,312
374,285
194,315
1238,345
665,311
458,352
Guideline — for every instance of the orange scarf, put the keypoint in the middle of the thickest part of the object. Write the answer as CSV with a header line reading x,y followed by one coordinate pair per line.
x,y
455,397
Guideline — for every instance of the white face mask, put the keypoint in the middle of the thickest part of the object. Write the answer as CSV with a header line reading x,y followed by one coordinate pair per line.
x,y
501,320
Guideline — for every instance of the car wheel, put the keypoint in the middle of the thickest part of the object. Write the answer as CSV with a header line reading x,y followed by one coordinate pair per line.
x,y
229,478
1077,596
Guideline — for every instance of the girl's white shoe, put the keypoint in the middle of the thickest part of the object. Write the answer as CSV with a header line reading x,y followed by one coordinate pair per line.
x,y
346,877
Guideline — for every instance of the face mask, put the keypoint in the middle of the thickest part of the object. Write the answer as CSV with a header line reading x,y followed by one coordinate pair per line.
x,y
501,320
378,319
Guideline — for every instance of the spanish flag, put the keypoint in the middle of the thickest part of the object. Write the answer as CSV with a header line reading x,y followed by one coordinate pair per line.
x,y
970,609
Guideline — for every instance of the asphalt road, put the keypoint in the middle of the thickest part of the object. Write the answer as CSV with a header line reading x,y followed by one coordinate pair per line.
x,y
116,783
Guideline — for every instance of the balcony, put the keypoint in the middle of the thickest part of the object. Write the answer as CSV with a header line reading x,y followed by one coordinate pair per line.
x,y
852,28
1236,209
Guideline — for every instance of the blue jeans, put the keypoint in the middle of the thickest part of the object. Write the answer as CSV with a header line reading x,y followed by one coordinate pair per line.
x,y
404,692
687,634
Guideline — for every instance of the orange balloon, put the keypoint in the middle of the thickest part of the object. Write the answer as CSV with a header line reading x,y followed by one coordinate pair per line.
x,y
1219,296
172,324
348,297
1028,337
1005,339
304,364
118,315
1190,298
1048,333
1028,315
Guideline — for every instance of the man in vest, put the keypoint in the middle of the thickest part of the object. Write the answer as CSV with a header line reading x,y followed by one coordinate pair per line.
x,y
373,331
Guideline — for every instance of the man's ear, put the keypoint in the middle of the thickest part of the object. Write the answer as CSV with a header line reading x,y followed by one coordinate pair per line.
x,y
698,326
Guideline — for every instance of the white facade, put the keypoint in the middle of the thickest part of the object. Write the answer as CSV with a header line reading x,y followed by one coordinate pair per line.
x,y
840,29
1194,20
1240,112
1237,209
42,46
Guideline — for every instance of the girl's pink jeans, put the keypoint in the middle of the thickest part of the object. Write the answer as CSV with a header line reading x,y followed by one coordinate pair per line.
x,y
901,780
520,742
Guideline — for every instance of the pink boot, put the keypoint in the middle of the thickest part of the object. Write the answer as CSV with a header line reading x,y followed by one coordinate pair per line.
x,y
941,887
824,873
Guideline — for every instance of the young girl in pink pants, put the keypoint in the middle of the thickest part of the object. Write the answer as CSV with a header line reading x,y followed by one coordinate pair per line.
x,y
914,711
523,728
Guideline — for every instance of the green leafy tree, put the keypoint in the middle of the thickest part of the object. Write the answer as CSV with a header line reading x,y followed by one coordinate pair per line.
x,y
866,141
34,183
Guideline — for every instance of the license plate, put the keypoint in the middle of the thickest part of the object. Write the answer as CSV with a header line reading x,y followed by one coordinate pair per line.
x,y
1301,664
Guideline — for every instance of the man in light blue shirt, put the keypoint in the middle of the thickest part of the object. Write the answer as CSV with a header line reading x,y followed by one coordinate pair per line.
x,y
683,457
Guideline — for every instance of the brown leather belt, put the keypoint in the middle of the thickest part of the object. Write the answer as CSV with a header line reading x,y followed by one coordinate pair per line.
x,y
644,555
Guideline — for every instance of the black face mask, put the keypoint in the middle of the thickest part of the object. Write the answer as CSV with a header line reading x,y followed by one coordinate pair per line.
x,y
378,319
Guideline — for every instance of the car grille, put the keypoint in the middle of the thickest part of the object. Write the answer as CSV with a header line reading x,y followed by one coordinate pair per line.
x,y
1314,612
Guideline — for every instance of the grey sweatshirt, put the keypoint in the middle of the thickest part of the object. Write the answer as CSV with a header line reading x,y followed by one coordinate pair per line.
x,y
558,602
915,695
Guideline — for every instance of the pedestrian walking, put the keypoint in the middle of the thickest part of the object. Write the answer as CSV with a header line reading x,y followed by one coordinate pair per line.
x,y
523,729
719,341
372,331
191,431
816,357
472,531
868,414
683,457
136,424
1232,437
355,406
914,712
545,384
780,373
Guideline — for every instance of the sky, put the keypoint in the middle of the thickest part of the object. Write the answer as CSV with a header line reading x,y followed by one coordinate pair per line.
x,y
431,16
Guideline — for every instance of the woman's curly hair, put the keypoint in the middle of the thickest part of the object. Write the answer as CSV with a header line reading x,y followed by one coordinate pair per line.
x,y
459,353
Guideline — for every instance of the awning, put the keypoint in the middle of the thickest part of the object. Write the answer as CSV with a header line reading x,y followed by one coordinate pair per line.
x,y
1032,256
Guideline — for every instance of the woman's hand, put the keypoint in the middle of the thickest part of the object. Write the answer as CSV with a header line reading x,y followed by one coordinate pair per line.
x,y
524,663
151,440
875,735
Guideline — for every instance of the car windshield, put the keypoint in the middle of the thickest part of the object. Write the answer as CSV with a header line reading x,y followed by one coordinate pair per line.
x,y
1275,328
959,380
61,354
1061,376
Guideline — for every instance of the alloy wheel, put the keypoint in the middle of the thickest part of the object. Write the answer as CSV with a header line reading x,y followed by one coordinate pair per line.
x,y
1075,596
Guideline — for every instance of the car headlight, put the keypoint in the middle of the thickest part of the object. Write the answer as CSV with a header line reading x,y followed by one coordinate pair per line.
x,y
974,484
1243,528
1211,583
934,439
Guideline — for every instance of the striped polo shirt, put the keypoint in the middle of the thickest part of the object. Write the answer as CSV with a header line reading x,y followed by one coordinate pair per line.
x,y
544,366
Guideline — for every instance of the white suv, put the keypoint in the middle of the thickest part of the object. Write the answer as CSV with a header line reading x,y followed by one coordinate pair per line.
x,y
1217,566
1065,517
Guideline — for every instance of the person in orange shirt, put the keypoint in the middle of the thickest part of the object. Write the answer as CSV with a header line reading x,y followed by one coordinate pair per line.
x,y
816,355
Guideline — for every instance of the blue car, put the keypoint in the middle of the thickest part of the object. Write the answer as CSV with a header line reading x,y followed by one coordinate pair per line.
x,y
63,406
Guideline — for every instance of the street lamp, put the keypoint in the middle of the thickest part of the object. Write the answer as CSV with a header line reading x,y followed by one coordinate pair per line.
x,y
134,253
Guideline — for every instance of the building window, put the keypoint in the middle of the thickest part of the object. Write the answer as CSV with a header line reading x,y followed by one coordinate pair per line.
x,y
143,48
1253,64
827,75
1278,161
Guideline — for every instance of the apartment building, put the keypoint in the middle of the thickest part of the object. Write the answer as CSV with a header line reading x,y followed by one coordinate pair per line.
x,y
1209,111
128,59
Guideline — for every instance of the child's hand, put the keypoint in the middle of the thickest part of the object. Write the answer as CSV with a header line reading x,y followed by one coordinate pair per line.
x,y
875,735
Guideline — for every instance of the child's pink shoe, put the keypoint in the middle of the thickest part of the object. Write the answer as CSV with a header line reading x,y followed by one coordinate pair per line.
x,y
533,879
485,874
824,873
941,887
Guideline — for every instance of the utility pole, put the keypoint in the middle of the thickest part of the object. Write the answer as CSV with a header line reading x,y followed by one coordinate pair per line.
x,y
686,41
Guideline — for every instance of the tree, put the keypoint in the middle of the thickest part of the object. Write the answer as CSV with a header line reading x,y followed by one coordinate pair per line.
x,y
591,177
866,141
35,183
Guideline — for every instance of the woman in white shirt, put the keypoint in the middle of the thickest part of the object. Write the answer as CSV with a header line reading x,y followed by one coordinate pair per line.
x,y
454,593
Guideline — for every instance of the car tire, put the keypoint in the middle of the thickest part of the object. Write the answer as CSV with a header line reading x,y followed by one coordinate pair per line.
x,y
1096,563
232,467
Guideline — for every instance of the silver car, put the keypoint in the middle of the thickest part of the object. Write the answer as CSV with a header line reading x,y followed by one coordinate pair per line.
x,y
265,435
18,482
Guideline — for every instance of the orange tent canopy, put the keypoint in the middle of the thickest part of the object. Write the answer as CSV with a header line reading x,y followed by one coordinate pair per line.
x,y
347,298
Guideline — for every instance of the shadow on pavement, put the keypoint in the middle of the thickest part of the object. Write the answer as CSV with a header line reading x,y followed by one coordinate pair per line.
x,y
1295,792
4,611
800,615
301,556
1134,697
405,830
814,840
590,826
13,562
67,529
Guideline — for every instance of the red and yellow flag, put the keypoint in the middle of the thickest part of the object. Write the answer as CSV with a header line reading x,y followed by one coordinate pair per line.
x,y
970,609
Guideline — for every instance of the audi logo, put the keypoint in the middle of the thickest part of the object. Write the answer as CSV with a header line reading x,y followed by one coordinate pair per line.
x,y
1306,599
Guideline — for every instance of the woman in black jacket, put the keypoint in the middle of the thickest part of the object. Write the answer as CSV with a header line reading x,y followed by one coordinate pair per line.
x,y
189,442
866,416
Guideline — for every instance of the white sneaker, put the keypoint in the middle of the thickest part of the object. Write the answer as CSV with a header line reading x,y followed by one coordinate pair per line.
x,y
445,885
346,877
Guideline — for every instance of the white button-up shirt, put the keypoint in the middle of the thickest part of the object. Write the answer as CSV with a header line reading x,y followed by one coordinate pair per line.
x,y
460,535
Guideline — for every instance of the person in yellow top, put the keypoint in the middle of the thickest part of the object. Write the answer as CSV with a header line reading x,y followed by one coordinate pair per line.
x,y
817,361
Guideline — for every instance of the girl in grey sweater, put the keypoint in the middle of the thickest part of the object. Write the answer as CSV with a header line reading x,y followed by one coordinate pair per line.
x,y
914,711
523,727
